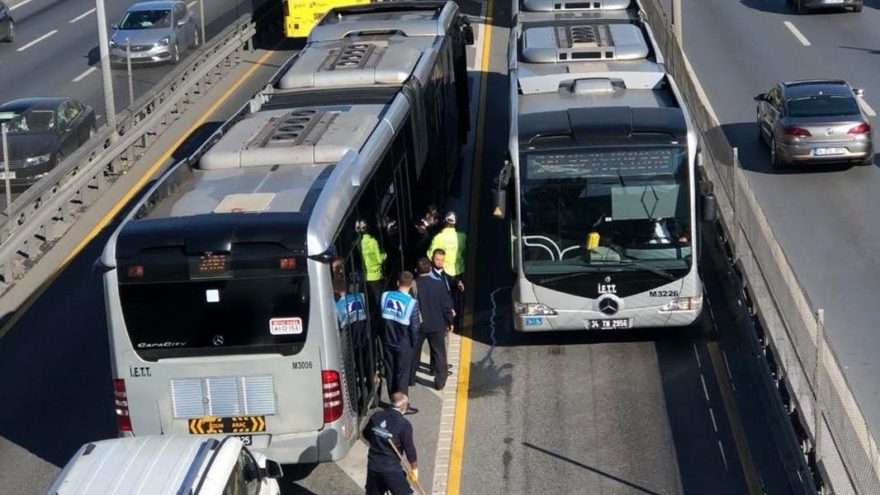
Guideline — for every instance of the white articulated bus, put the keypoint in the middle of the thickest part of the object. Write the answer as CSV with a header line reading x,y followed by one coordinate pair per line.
x,y
222,284
600,182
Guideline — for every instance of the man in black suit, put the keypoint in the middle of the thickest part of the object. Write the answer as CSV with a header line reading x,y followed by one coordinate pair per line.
x,y
435,306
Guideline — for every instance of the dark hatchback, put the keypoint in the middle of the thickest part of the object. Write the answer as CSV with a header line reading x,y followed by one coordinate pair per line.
x,y
41,132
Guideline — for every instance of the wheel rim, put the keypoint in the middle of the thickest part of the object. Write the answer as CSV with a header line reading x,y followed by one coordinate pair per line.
x,y
773,152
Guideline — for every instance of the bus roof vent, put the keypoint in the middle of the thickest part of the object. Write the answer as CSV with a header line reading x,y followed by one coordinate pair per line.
x,y
583,43
594,86
353,56
293,129
562,5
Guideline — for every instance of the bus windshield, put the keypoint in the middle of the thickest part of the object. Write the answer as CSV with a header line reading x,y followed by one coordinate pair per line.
x,y
245,311
617,209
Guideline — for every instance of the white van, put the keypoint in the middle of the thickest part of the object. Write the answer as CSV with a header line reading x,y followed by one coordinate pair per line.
x,y
167,464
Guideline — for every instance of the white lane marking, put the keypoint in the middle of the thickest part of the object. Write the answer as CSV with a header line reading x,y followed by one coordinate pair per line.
x,y
797,34
25,2
697,355
868,110
705,389
82,16
41,38
723,457
714,424
84,74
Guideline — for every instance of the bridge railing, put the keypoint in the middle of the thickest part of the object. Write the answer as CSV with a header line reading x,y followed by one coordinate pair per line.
x,y
840,443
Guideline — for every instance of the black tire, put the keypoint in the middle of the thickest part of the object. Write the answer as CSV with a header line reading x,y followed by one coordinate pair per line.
x,y
857,7
11,37
760,133
800,7
775,162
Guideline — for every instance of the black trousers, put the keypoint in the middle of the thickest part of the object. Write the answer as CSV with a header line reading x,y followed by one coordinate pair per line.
x,y
378,483
437,344
397,361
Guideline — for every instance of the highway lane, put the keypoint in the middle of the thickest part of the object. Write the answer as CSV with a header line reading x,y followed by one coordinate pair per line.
x,y
824,217
56,50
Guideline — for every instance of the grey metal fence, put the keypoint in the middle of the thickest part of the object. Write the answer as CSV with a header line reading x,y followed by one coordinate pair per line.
x,y
839,438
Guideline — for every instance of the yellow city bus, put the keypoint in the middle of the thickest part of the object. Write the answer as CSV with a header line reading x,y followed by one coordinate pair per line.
x,y
301,15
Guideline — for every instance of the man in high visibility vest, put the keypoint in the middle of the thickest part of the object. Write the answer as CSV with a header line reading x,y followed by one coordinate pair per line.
x,y
374,258
452,242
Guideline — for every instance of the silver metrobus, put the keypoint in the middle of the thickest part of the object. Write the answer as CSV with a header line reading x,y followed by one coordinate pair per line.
x,y
600,181
222,284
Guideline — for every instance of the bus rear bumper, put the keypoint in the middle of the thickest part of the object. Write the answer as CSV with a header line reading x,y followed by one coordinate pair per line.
x,y
306,448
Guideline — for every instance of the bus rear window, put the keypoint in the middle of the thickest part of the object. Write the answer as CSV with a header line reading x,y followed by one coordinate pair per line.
x,y
267,314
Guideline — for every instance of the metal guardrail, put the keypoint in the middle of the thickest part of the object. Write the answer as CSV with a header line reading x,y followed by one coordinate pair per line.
x,y
838,443
45,211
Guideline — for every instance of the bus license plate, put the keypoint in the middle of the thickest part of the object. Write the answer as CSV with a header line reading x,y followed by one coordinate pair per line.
x,y
611,324
211,425
247,440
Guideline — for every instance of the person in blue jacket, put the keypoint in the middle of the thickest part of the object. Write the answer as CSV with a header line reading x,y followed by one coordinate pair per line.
x,y
399,334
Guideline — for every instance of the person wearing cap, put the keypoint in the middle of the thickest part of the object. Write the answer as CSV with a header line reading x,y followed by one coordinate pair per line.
x,y
452,242
390,434
373,257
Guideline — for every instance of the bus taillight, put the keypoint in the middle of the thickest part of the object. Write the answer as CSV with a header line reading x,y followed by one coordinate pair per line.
x,y
332,388
123,420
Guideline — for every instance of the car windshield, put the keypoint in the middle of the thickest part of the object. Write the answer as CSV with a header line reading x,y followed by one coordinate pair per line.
x,y
611,208
822,106
146,19
28,121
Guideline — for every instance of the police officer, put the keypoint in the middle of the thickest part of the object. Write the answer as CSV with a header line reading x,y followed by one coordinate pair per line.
x,y
400,313
373,257
452,242
435,307
384,471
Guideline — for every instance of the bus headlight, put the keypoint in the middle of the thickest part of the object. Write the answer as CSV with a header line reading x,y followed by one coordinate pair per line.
x,y
533,309
683,304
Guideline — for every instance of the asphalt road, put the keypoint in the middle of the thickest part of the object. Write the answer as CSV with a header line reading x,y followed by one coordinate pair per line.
x,y
56,50
824,217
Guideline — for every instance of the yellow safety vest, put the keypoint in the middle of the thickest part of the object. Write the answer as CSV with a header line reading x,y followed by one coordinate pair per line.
x,y
451,241
373,258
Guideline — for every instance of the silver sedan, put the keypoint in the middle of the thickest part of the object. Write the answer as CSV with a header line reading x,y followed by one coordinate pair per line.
x,y
814,121
156,31
805,5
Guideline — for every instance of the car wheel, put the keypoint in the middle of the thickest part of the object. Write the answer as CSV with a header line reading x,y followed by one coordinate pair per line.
x,y
175,57
760,133
800,7
857,7
776,163
59,157
11,36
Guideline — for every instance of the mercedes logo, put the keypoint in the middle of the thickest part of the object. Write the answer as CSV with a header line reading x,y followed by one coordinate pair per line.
x,y
607,279
608,306
829,131
218,340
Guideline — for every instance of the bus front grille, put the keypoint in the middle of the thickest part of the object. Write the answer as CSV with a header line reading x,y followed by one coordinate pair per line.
x,y
223,396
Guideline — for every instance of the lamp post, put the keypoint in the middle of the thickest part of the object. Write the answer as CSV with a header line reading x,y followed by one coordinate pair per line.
x,y
106,75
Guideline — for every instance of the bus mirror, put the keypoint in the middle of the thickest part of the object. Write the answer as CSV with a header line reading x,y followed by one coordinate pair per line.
x,y
273,470
325,257
467,31
710,208
499,191
99,267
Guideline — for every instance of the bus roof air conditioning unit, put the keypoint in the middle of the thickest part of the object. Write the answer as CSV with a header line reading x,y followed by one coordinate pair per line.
x,y
583,43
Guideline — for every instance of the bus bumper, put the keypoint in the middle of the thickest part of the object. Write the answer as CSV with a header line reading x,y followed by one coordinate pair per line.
x,y
582,320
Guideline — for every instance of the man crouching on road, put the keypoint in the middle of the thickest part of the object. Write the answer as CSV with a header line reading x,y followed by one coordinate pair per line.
x,y
384,429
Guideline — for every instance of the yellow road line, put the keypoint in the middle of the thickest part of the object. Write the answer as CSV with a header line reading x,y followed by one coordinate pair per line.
x,y
131,192
456,455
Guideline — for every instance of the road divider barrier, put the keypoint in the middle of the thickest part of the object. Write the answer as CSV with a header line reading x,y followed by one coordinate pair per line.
x,y
835,438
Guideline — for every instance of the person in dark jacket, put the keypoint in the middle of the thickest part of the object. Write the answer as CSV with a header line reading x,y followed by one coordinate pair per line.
x,y
384,470
400,312
435,306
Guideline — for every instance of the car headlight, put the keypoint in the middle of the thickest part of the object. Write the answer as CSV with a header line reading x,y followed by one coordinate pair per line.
x,y
37,160
165,41
683,304
113,44
534,309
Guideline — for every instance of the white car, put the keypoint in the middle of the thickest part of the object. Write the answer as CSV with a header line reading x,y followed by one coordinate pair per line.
x,y
167,464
